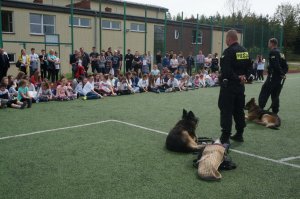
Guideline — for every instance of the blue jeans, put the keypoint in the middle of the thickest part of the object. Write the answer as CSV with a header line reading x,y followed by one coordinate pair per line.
x,y
90,96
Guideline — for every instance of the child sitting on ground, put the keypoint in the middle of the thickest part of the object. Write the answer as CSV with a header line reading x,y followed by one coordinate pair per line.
x,y
7,101
152,85
63,91
135,80
123,87
105,87
143,84
45,93
23,93
202,81
86,90
173,83
155,70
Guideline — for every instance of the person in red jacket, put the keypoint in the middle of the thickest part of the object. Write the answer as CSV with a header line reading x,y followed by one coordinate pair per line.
x,y
80,71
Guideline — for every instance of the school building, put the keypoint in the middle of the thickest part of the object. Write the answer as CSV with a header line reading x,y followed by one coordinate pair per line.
x,y
47,24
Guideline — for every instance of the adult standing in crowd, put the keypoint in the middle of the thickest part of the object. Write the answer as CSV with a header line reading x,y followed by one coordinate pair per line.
x,y
276,73
166,61
200,60
128,60
102,61
24,61
74,61
215,63
4,63
174,63
85,59
51,69
190,63
137,62
108,51
95,57
57,66
235,68
43,64
260,68
121,59
34,61
116,63
158,57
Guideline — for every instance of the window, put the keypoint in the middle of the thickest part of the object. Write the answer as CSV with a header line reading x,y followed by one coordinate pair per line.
x,y
42,24
199,37
135,27
12,57
81,22
111,25
7,21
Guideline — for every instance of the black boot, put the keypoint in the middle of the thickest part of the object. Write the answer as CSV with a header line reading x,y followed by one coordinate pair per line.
x,y
224,139
29,103
238,137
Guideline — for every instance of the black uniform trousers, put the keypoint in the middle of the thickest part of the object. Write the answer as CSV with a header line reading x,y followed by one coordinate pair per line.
x,y
231,104
271,87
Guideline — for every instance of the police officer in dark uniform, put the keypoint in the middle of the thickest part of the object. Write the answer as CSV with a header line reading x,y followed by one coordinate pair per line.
x,y
235,68
276,73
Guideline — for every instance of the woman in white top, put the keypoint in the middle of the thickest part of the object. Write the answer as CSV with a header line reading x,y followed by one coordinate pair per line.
x,y
57,66
260,68
174,63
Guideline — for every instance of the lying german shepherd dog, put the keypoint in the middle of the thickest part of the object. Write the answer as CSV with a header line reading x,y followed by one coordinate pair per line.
x,y
182,138
262,117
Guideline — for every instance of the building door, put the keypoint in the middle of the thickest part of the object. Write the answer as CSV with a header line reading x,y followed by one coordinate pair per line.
x,y
158,39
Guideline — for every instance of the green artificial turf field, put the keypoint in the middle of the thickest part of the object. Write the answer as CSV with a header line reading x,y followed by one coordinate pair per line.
x,y
114,148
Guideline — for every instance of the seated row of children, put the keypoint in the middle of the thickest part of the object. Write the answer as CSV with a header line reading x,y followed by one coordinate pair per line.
x,y
22,91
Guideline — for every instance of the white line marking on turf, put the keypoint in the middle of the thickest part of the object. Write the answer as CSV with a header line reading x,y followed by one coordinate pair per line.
x,y
51,130
145,128
289,158
236,151
141,127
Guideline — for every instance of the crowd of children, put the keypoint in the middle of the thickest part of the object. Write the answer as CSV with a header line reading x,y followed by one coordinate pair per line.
x,y
21,91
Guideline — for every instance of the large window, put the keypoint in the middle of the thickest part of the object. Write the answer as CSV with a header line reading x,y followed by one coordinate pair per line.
x,y
135,27
111,25
81,22
42,24
199,36
7,21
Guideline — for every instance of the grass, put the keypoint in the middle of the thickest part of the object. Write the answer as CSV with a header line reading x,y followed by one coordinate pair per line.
x,y
113,160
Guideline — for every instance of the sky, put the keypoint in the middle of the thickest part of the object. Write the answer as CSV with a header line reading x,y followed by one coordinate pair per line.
x,y
211,7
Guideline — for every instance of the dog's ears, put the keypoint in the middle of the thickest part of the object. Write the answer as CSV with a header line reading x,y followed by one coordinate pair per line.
x,y
252,99
184,114
191,114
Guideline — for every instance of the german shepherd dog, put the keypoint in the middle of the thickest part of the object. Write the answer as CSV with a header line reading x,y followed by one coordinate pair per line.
x,y
262,117
182,138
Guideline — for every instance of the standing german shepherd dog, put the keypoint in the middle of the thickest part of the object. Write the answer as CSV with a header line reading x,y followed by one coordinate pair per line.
x,y
259,116
182,138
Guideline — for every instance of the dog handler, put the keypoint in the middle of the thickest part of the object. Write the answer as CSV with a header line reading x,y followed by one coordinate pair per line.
x,y
276,73
235,68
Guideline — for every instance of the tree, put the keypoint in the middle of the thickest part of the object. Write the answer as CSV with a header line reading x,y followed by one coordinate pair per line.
x,y
288,16
238,6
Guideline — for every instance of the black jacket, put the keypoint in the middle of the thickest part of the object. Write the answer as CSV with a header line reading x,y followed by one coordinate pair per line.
x,y
235,62
275,70
4,62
